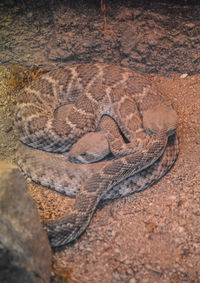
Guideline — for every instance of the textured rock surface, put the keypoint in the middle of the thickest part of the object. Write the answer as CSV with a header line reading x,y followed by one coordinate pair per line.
x,y
149,36
25,254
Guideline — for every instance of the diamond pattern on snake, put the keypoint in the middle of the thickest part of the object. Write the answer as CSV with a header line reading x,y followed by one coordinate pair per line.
x,y
94,132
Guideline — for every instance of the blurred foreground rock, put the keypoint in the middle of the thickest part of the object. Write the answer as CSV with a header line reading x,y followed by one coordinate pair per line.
x,y
25,254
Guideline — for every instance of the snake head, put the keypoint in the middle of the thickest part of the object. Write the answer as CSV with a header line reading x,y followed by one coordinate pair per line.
x,y
91,148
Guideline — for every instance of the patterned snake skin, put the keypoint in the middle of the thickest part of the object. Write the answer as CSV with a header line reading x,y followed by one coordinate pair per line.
x,y
137,123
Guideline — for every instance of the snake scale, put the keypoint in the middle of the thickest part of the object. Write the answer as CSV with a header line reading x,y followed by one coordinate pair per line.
x,y
93,131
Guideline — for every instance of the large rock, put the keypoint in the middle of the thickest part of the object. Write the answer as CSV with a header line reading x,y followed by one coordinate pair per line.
x,y
25,254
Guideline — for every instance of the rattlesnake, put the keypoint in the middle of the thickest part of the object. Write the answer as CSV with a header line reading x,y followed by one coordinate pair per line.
x,y
137,123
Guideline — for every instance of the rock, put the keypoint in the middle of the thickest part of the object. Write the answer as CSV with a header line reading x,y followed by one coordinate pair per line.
x,y
183,76
25,254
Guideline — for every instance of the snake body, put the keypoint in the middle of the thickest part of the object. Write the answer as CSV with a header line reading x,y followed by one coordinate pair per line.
x,y
137,122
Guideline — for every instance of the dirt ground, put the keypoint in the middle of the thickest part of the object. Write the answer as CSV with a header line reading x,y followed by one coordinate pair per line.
x,y
151,236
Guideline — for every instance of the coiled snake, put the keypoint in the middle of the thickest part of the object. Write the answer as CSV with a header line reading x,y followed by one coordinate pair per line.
x,y
109,117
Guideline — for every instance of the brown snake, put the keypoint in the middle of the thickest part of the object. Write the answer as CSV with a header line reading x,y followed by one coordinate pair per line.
x,y
135,120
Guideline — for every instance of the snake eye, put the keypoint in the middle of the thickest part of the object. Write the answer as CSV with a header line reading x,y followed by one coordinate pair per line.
x,y
83,154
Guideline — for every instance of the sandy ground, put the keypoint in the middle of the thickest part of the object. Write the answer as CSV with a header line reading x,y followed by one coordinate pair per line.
x,y
154,235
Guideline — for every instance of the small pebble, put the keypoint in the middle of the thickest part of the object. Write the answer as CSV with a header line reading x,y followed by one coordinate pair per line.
x,y
183,76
